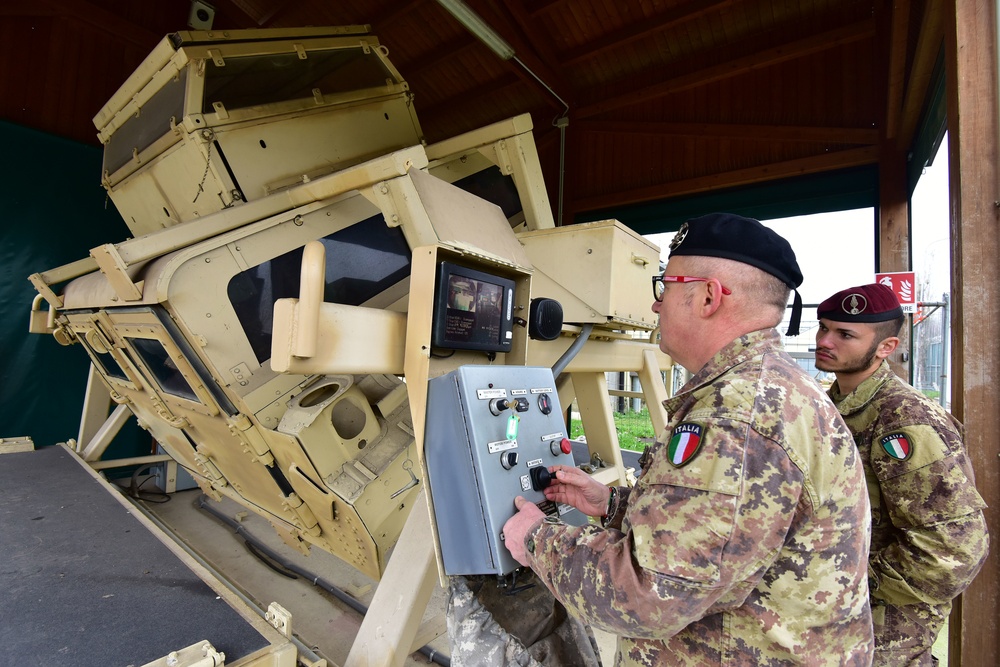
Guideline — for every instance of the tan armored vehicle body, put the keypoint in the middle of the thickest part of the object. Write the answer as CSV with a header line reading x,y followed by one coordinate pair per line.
x,y
273,323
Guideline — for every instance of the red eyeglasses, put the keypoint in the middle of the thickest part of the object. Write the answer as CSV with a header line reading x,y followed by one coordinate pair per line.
x,y
659,288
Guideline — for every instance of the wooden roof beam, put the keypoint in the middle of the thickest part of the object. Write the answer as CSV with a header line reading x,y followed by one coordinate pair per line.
x,y
528,44
102,20
900,27
768,172
453,106
929,45
669,19
693,79
788,133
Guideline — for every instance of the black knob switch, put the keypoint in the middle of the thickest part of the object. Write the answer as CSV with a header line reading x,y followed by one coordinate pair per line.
x,y
541,478
508,460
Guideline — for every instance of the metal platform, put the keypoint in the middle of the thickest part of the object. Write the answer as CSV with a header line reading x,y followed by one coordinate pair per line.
x,y
86,583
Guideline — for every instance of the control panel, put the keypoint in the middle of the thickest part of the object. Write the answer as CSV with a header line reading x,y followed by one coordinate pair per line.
x,y
492,433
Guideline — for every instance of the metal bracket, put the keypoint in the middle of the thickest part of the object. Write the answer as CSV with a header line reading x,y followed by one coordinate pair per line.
x,y
201,654
242,428
114,269
43,289
280,618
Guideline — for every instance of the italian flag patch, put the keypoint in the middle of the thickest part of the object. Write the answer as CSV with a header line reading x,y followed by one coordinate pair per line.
x,y
684,444
896,445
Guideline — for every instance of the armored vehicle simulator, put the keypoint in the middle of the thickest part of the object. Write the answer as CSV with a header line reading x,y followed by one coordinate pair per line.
x,y
318,311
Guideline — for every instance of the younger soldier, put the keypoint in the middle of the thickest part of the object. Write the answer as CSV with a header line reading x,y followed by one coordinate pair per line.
x,y
928,532
745,539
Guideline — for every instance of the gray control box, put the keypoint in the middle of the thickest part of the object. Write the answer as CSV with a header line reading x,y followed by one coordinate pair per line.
x,y
492,432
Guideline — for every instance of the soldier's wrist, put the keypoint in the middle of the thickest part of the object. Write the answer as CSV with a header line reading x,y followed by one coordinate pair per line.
x,y
612,508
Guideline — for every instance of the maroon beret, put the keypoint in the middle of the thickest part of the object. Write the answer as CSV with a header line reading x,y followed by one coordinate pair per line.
x,y
865,303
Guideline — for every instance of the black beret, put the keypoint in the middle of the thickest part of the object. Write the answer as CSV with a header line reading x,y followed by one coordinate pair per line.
x,y
864,303
742,240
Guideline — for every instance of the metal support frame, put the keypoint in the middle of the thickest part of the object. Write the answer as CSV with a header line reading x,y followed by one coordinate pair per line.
x,y
387,634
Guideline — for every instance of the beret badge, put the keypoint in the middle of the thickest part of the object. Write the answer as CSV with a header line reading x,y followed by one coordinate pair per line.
x,y
679,236
855,304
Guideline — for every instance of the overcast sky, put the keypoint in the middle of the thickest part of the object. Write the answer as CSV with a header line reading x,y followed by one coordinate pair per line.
x,y
837,250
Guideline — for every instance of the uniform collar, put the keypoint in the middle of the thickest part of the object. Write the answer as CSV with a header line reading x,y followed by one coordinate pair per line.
x,y
743,349
865,392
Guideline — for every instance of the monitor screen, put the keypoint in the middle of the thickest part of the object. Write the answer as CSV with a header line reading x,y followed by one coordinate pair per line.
x,y
473,310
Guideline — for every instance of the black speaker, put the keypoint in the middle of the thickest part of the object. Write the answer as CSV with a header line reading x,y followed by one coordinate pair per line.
x,y
545,319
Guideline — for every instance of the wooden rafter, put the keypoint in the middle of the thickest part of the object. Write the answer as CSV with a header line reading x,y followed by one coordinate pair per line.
x,y
765,58
837,135
96,17
900,25
929,46
619,38
768,172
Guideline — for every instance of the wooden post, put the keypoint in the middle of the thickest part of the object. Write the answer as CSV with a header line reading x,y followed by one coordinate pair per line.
x,y
973,121
894,236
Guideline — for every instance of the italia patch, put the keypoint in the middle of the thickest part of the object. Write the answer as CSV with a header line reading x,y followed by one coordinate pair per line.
x,y
684,444
897,446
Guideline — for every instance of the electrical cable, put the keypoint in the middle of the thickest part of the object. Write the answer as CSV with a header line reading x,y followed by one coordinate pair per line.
x,y
573,349
135,490
430,653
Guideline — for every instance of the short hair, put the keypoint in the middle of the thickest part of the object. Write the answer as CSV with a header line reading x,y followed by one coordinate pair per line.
x,y
888,328
755,288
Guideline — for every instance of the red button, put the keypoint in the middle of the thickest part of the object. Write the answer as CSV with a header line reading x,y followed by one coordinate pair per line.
x,y
566,446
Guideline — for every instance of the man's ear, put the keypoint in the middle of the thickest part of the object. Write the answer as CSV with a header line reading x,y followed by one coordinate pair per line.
x,y
711,296
886,347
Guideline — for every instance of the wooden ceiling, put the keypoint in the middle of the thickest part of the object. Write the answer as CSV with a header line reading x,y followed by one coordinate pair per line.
x,y
662,98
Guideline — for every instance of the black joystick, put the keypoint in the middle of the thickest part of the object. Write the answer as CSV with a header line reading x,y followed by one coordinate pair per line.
x,y
541,478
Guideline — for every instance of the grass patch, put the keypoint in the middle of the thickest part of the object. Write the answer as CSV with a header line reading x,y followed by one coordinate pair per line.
x,y
635,431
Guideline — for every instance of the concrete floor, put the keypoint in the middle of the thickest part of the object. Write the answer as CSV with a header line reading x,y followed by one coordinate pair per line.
x,y
319,619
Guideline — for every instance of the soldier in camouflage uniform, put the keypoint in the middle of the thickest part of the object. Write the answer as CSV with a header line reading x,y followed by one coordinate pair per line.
x,y
929,536
745,538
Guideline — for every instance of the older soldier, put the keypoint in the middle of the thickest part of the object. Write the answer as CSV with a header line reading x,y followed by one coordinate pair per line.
x,y
745,539
928,533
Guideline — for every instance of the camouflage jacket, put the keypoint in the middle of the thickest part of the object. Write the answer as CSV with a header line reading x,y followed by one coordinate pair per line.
x,y
929,536
745,538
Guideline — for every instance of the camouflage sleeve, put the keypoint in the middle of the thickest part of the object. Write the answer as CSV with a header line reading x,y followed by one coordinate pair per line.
x,y
695,540
940,539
